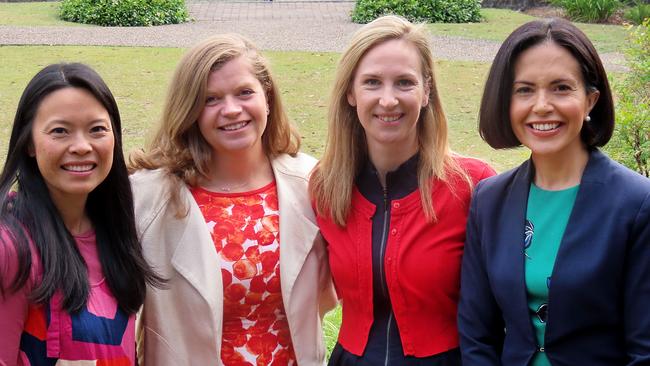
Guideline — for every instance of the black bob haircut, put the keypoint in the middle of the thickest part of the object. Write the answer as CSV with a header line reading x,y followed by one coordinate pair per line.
x,y
30,215
494,115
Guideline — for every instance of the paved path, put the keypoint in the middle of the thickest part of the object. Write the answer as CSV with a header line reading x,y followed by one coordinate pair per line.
x,y
307,25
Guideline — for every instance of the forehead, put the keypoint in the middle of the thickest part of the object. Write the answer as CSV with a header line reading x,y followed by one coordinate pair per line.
x,y
236,71
392,56
548,60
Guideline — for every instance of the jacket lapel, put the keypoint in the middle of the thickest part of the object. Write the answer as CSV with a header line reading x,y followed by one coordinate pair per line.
x,y
512,239
572,245
298,230
196,260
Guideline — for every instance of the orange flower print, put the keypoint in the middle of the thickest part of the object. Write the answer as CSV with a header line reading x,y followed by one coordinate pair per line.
x,y
245,229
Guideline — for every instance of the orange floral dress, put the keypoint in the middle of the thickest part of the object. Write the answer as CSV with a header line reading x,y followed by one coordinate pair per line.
x,y
245,231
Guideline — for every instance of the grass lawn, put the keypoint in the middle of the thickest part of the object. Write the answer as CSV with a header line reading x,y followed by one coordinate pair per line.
x,y
36,13
139,76
497,24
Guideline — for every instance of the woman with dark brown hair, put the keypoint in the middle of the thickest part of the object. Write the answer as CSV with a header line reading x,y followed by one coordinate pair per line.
x,y
556,269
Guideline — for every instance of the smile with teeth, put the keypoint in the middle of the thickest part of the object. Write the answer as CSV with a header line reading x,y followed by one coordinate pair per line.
x,y
544,126
234,126
79,168
391,118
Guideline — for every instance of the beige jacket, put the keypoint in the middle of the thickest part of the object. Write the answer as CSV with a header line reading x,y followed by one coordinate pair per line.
x,y
181,324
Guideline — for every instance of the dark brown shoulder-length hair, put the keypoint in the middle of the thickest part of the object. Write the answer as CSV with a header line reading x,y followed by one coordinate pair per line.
x,y
494,116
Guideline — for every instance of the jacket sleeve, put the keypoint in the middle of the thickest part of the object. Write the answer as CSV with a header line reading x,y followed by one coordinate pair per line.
x,y
637,290
328,300
13,305
480,325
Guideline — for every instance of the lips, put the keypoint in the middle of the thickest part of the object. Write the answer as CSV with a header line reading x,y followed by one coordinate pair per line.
x,y
235,126
79,168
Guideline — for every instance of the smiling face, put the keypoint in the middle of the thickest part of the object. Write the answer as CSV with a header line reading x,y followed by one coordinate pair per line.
x,y
550,102
388,92
73,142
234,115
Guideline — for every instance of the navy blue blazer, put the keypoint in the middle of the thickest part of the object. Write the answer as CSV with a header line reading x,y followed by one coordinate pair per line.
x,y
599,298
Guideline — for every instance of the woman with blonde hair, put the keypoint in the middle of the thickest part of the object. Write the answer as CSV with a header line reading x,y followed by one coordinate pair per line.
x,y
223,212
392,202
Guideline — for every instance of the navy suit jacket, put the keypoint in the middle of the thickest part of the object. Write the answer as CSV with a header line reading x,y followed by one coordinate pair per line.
x,y
599,298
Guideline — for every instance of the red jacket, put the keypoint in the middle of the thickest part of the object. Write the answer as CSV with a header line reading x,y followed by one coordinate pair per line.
x,y
422,262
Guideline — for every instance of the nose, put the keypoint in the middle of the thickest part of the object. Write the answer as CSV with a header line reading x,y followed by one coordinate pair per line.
x,y
387,99
231,107
542,103
80,145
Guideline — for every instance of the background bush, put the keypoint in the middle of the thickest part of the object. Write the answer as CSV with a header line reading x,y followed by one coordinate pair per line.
x,y
589,11
124,12
637,12
631,141
432,11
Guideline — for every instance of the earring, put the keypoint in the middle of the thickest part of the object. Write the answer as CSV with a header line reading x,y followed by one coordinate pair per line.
x,y
587,119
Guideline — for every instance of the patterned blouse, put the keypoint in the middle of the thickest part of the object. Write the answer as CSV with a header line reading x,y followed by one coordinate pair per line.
x,y
245,231
100,334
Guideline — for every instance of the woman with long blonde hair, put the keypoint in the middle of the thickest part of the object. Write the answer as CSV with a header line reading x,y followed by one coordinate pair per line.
x,y
392,201
223,212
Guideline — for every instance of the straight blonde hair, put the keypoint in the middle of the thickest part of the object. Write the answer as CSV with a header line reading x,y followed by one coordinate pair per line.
x,y
178,146
332,181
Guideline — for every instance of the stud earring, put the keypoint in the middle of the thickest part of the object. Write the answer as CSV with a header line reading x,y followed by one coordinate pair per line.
x,y
588,119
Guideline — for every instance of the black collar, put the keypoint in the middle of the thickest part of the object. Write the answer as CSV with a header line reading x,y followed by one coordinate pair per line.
x,y
399,183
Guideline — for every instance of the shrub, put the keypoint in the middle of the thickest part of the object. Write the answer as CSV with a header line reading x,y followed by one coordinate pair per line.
x,y
588,10
637,12
124,12
631,141
432,11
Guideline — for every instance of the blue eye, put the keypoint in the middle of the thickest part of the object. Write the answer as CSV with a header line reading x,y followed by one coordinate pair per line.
x,y
247,92
405,83
371,82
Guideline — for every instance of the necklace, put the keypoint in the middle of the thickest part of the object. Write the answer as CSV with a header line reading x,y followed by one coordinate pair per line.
x,y
232,188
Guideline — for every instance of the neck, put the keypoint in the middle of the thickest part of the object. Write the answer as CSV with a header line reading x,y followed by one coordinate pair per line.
x,y
555,174
73,214
238,173
387,158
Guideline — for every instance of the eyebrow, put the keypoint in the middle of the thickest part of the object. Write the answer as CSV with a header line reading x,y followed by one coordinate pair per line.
x,y
67,123
556,81
379,75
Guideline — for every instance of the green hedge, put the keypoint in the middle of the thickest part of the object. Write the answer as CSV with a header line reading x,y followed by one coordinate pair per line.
x,y
432,11
124,12
631,141
589,11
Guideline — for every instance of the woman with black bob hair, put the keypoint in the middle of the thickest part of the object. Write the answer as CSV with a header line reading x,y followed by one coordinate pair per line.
x,y
72,275
556,269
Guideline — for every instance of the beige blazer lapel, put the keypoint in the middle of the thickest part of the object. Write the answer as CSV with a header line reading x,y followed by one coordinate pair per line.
x,y
196,259
298,230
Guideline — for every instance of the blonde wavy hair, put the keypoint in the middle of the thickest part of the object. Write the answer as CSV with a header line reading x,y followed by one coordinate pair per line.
x,y
178,146
332,181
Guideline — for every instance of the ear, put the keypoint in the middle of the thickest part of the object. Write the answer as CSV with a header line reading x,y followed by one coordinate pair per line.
x,y
351,100
592,98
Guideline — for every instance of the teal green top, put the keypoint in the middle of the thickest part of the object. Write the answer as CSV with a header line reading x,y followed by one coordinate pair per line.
x,y
547,215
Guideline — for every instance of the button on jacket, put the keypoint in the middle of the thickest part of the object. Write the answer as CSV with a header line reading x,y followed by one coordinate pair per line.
x,y
421,261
